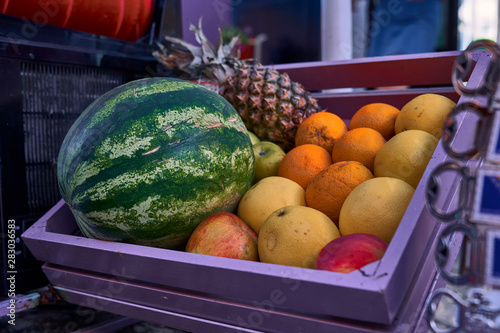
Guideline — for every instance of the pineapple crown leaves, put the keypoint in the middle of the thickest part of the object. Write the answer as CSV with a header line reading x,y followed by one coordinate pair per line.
x,y
200,61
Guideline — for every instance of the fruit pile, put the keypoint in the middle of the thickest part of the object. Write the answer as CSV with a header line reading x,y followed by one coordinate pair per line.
x,y
165,162
335,200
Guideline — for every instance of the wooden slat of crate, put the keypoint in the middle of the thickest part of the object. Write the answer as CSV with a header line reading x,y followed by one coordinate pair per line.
x,y
427,69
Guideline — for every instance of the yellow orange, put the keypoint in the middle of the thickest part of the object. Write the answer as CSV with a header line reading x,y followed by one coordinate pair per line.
x,y
294,236
265,197
375,207
405,156
426,112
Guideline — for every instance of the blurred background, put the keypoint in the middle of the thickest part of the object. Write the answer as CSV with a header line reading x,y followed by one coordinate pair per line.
x,y
309,30
274,31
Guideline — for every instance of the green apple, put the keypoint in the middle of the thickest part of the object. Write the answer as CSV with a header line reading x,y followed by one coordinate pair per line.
x,y
255,139
268,156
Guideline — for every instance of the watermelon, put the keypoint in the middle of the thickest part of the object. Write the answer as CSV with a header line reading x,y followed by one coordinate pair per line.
x,y
149,160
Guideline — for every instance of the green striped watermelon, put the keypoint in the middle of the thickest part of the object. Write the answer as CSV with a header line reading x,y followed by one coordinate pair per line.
x,y
149,160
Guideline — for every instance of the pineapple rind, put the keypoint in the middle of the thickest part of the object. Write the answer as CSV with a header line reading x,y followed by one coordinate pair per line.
x,y
270,104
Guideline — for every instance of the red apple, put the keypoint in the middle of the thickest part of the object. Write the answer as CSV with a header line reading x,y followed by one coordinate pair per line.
x,y
224,235
350,252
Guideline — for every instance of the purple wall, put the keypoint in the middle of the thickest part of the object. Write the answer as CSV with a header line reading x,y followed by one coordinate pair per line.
x,y
216,14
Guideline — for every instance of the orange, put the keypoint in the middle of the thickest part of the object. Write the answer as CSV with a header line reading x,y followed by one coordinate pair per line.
x,y
379,116
359,144
303,163
327,191
321,129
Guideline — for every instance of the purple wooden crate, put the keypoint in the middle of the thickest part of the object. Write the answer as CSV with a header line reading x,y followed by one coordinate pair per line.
x,y
203,293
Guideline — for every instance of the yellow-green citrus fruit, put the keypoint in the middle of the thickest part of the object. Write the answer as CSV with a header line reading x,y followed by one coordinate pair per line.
x,y
375,207
405,156
266,196
426,112
294,236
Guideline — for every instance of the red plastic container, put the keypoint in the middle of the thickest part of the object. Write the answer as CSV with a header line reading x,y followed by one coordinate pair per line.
x,y
121,19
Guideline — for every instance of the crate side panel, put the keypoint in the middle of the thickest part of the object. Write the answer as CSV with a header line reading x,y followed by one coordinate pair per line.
x,y
422,239
304,289
265,315
346,104
412,70
161,317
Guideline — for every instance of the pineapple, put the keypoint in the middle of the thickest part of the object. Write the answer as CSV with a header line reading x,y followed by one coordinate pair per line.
x,y
270,103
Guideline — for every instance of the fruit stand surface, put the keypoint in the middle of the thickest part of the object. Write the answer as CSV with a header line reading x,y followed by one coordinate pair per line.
x,y
211,294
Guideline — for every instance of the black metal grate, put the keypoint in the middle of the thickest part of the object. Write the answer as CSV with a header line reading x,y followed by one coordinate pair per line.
x,y
53,98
